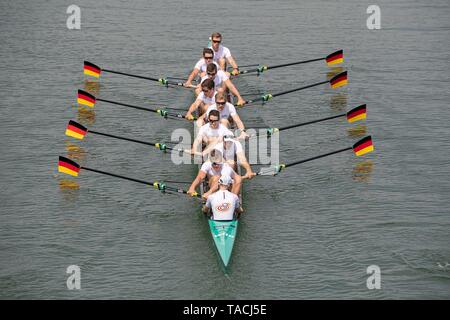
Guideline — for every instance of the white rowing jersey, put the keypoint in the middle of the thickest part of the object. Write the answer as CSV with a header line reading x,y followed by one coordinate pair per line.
x,y
224,170
228,110
206,131
207,100
201,65
223,52
219,78
223,203
232,148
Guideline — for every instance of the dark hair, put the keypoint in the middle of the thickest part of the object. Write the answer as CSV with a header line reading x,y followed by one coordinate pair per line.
x,y
208,83
215,113
208,50
211,67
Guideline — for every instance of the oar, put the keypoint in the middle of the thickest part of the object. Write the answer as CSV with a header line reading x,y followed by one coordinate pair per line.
x,y
78,131
356,114
337,81
361,147
332,59
87,99
95,71
72,168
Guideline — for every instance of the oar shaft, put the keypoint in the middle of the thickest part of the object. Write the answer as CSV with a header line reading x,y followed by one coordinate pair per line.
x,y
310,122
293,63
127,105
317,157
118,176
298,89
131,75
122,138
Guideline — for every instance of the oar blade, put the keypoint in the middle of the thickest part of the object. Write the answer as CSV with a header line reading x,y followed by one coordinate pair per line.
x,y
68,166
335,58
91,69
76,130
86,99
358,113
363,146
339,80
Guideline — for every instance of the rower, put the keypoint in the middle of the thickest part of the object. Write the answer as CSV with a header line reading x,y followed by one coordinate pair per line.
x,y
213,169
204,99
233,153
223,203
210,133
200,66
227,112
221,81
222,54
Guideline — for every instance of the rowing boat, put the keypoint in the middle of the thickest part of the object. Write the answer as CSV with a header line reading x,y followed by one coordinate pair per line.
x,y
223,232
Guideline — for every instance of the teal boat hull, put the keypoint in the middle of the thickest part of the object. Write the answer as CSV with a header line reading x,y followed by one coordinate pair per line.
x,y
224,234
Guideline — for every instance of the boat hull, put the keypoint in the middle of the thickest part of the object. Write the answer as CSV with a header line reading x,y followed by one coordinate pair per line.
x,y
224,234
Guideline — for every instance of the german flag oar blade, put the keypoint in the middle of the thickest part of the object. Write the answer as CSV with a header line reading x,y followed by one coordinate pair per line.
x,y
76,130
358,113
363,146
85,98
91,69
335,58
339,80
68,166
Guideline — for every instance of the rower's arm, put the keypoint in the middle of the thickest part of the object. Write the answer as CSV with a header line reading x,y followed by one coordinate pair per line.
x,y
200,177
210,147
243,161
232,62
238,122
193,107
196,144
191,77
233,90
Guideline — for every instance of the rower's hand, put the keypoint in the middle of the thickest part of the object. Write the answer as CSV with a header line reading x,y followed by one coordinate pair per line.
x,y
235,72
241,102
189,116
249,175
205,195
187,84
244,135
191,192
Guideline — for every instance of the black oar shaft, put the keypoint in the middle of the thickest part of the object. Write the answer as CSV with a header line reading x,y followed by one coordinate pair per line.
x,y
122,138
317,157
293,63
310,122
298,89
131,75
126,105
118,176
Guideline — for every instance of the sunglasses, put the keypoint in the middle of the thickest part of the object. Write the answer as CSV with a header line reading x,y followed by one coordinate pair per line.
x,y
211,74
216,164
220,103
208,58
213,121
217,41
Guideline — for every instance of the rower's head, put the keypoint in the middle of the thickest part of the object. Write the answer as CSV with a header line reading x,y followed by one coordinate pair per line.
x,y
220,100
225,181
228,141
214,119
211,70
216,159
208,87
216,39
208,55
